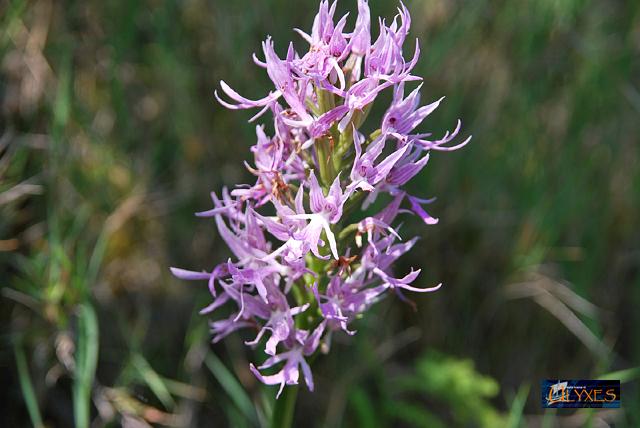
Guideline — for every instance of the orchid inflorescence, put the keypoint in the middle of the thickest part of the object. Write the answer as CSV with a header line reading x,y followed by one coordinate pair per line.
x,y
312,176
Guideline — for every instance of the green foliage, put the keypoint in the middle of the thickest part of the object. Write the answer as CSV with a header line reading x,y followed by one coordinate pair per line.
x,y
452,384
437,391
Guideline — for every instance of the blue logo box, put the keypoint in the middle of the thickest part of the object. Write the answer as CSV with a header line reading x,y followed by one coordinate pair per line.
x,y
580,393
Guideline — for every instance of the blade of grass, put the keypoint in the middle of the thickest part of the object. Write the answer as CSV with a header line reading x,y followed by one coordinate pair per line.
x,y
153,381
12,14
184,390
364,410
284,408
236,418
549,418
264,410
623,376
517,407
231,385
26,386
86,361
62,102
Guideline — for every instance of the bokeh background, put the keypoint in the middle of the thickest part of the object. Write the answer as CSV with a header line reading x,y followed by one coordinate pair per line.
x,y
110,139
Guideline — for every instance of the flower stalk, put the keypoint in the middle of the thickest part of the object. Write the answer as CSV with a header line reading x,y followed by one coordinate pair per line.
x,y
284,408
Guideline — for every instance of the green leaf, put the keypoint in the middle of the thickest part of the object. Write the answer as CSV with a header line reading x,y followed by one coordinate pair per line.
x,y
623,376
25,384
86,361
231,385
364,411
62,102
517,407
11,17
153,380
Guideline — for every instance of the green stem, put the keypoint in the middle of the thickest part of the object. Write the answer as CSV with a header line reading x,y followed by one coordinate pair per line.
x,y
344,233
28,392
327,173
285,407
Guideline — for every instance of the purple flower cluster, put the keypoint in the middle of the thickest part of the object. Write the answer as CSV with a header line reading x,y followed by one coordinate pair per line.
x,y
301,269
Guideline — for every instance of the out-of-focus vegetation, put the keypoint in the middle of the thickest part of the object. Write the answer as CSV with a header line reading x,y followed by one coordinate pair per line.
x,y
110,139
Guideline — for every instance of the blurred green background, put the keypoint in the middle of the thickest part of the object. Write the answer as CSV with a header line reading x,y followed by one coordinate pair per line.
x,y
110,139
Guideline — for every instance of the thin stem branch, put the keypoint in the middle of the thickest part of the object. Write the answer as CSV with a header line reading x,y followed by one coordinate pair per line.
x,y
285,407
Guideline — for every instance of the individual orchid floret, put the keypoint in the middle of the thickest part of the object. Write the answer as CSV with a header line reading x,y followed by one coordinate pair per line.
x,y
359,96
222,328
303,345
325,211
252,276
359,43
384,252
390,282
339,304
242,102
416,207
370,226
279,321
361,37
365,174
440,144
385,59
405,170
280,73
403,116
